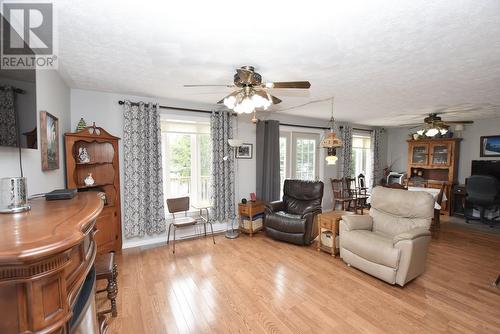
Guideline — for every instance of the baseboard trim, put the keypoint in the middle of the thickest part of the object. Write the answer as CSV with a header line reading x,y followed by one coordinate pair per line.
x,y
218,228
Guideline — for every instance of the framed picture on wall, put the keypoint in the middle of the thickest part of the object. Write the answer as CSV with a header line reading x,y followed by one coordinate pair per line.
x,y
244,151
490,146
49,138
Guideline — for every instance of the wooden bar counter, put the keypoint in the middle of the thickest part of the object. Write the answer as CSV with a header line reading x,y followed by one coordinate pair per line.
x,y
45,255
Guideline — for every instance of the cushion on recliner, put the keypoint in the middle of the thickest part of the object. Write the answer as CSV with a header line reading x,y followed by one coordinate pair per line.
x,y
371,246
395,211
286,222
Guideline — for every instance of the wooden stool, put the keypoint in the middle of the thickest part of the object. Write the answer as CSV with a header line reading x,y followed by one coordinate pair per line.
x,y
106,268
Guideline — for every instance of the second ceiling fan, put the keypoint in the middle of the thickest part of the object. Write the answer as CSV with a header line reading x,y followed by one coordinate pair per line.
x,y
252,93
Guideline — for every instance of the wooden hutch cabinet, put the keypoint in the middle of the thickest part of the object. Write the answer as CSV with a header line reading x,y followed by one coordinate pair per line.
x,y
103,165
436,160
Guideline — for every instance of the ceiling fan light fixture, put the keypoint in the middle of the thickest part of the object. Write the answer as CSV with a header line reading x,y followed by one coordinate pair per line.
x,y
421,132
246,106
230,102
443,131
432,132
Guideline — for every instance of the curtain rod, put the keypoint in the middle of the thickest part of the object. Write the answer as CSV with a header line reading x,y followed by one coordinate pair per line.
x,y
121,102
321,127
15,90
305,126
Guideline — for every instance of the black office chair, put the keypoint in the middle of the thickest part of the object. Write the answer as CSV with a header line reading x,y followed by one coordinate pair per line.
x,y
483,192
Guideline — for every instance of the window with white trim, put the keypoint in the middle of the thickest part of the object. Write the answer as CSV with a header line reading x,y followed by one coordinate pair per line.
x,y
298,156
362,157
186,159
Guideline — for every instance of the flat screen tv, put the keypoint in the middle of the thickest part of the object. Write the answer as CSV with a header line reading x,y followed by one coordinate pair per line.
x,y
18,113
486,167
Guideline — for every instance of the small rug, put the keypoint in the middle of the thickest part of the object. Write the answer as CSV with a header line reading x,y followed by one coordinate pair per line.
x,y
475,225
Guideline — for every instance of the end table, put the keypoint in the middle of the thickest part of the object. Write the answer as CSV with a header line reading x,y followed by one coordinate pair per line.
x,y
329,221
250,210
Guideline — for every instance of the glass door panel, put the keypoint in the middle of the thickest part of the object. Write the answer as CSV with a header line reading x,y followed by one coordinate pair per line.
x,y
419,154
440,154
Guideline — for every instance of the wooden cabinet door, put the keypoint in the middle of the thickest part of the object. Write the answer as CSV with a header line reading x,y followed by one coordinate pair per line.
x,y
440,154
419,154
106,235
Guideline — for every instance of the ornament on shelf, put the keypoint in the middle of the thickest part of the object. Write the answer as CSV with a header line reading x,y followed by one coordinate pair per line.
x,y
89,180
81,125
83,155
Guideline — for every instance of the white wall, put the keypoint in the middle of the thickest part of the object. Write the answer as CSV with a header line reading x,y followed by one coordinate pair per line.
x,y
53,96
397,146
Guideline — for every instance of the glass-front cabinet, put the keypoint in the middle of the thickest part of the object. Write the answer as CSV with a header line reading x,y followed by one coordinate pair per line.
x,y
419,154
440,154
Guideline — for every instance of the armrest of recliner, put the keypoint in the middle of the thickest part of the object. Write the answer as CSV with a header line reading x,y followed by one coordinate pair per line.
x,y
411,234
358,222
275,206
311,210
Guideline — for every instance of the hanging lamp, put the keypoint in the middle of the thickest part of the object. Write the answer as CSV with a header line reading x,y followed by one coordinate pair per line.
x,y
331,142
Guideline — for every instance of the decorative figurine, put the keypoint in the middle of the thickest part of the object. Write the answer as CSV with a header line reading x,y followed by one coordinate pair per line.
x,y
83,155
89,180
81,125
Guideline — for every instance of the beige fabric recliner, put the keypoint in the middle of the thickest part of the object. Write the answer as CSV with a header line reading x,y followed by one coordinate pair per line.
x,y
392,242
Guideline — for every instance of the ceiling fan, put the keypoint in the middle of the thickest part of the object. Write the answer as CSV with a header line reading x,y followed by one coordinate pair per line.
x,y
434,124
251,92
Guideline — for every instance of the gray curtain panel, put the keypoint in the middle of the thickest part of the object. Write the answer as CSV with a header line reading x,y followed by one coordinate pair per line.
x,y
267,154
377,169
143,184
347,151
221,130
8,131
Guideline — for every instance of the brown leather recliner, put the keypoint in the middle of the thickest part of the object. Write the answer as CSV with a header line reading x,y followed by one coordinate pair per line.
x,y
293,218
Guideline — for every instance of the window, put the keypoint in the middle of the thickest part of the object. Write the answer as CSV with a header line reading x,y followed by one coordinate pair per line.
x,y
186,160
298,156
362,157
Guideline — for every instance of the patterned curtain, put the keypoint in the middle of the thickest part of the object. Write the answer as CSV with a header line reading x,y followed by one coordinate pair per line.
x,y
8,131
143,185
221,129
347,151
376,163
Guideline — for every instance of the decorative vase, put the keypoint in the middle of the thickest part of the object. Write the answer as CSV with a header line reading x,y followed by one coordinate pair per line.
x,y
81,125
89,180
83,155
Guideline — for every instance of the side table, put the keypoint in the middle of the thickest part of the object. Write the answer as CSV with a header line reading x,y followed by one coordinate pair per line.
x,y
249,211
329,221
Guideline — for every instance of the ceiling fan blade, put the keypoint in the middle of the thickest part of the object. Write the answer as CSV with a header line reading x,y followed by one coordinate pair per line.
x,y
288,84
190,86
275,100
225,97
459,122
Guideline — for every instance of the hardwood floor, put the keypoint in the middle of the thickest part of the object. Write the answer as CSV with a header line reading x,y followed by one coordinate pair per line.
x,y
263,286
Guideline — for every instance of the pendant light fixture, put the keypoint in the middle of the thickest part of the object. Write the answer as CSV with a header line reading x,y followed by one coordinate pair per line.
x,y
331,142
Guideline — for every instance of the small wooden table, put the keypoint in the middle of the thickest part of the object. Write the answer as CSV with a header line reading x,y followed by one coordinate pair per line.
x,y
329,221
250,210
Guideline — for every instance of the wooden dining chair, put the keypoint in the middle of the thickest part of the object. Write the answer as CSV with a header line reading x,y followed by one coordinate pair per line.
x,y
178,205
436,222
362,192
351,191
339,194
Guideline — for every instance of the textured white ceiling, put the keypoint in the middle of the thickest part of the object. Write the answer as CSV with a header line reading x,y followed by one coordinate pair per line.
x,y
384,61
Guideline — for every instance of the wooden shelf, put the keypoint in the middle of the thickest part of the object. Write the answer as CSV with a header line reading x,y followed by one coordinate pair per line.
x,y
102,149
92,163
94,186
